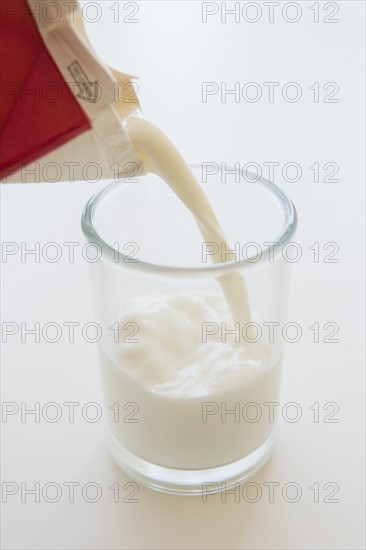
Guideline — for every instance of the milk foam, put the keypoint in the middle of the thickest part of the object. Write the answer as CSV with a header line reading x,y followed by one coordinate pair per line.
x,y
175,356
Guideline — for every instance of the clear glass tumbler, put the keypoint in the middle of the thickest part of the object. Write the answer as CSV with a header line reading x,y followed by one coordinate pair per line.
x,y
187,388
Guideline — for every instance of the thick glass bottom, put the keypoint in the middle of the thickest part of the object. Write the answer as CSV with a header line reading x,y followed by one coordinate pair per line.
x,y
190,482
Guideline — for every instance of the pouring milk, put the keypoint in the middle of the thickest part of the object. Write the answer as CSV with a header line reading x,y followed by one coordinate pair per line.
x,y
171,373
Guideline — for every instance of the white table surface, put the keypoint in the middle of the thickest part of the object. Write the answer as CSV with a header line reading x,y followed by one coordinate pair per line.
x,y
173,52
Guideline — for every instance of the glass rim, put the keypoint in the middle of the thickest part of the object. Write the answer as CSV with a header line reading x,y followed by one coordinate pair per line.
x,y
118,258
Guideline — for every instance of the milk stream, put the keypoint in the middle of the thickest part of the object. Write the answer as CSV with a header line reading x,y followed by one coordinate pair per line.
x,y
161,157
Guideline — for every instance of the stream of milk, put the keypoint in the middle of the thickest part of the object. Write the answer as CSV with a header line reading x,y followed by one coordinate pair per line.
x,y
163,159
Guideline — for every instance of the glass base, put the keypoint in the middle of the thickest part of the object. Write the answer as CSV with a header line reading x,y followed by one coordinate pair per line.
x,y
190,482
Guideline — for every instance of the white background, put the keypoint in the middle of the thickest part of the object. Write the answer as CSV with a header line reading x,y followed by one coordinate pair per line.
x,y
173,52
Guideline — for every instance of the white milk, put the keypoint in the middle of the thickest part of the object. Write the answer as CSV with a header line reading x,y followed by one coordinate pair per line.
x,y
173,382
176,380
